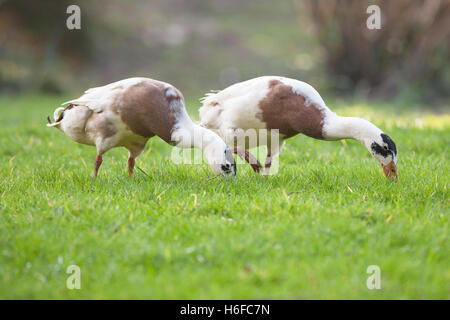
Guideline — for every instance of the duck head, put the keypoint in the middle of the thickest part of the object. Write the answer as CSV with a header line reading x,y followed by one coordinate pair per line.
x,y
384,150
221,161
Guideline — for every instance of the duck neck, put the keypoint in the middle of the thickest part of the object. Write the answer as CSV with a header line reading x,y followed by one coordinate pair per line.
x,y
205,138
191,135
350,128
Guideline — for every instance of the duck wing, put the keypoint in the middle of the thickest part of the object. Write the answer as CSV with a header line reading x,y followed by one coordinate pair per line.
x,y
96,99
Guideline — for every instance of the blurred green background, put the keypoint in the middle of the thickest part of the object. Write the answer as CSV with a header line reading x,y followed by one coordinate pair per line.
x,y
202,45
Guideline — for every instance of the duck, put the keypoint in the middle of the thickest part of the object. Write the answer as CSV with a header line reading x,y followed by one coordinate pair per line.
x,y
288,107
129,112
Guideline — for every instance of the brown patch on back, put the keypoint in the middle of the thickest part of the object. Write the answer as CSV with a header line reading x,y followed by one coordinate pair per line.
x,y
273,83
145,109
284,110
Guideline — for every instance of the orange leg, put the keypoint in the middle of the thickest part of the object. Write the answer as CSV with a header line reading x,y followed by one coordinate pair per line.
x,y
130,166
98,162
267,165
244,154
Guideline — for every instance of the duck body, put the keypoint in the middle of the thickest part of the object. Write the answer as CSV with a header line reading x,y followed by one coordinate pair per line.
x,y
287,107
124,113
127,113
267,103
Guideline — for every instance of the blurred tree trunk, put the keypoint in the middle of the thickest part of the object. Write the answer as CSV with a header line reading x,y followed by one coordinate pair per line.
x,y
411,48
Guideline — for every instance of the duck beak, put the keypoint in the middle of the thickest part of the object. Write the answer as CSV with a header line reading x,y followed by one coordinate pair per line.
x,y
390,171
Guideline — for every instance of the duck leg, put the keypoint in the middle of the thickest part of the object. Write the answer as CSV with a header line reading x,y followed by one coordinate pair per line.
x,y
244,154
272,152
103,145
131,161
98,162
267,164
134,151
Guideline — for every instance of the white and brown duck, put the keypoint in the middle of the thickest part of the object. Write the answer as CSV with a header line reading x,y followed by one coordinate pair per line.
x,y
129,112
291,107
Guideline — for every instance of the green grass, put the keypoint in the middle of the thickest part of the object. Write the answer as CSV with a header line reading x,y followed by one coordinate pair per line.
x,y
162,236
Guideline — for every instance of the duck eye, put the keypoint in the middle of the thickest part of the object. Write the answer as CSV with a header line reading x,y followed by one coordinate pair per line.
x,y
385,147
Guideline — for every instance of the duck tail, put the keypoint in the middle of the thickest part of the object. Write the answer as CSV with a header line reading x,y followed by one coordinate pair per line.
x,y
208,96
57,116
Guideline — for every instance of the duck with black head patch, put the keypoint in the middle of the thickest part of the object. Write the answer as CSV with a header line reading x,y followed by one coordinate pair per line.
x,y
291,107
127,113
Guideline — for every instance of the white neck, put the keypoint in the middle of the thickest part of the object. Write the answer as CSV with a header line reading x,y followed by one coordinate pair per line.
x,y
191,135
337,127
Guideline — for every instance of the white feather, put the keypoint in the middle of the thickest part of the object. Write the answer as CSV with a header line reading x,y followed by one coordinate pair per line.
x,y
99,99
56,113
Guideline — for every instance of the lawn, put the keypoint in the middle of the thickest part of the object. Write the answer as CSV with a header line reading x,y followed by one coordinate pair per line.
x,y
163,236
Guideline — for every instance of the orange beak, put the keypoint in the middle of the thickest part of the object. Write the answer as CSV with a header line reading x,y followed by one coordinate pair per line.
x,y
390,171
